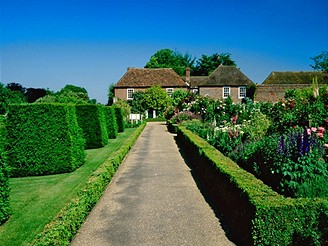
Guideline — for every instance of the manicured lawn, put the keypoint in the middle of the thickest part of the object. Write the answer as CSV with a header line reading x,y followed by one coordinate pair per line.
x,y
36,200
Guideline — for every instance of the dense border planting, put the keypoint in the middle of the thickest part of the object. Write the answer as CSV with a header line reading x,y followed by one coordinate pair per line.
x,y
43,139
92,120
62,229
255,213
5,210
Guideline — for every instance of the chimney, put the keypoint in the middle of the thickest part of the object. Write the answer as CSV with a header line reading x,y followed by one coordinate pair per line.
x,y
188,75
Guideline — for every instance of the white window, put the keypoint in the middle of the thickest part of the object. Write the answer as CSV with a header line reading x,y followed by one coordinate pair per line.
x,y
241,91
226,91
169,91
129,95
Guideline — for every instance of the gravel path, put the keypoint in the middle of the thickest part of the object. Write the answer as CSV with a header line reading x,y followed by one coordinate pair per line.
x,y
152,200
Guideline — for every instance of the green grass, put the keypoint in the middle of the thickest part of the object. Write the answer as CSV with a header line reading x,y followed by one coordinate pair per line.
x,y
36,201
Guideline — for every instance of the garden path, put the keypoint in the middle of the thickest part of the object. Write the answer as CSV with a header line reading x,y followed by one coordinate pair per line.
x,y
152,200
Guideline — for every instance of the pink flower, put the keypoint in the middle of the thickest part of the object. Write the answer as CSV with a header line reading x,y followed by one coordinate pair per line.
x,y
321,129
326,145
234,119
236,133
308,130
320,135
313,129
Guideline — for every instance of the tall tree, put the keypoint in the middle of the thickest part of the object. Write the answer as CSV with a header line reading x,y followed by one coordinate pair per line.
x,y
166,58
207,64
321,62
156,98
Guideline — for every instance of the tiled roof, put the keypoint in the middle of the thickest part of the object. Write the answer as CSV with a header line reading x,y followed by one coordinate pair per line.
x,y
146,77
227,76
195,81
296,77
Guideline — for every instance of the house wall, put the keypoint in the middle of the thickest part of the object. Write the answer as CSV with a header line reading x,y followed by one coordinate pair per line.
x,y
274,93
121,93
217,93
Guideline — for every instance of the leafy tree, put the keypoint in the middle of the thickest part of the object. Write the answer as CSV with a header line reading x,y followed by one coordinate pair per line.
x,y
138,104
69,94
111,95
321,62
126,108
156,98
33,94
16,87
207,64
178,95
7,97
166,58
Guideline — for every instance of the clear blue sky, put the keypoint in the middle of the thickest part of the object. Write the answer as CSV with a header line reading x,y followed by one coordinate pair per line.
x,y
90,43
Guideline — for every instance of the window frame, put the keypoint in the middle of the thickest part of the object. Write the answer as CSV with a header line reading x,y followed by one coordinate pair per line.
x,y
129,91
244,92
224,92
169,91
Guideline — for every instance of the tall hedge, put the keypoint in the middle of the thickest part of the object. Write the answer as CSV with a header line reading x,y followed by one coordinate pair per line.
x,y
92,120
112,127
5,210
119,119
43,139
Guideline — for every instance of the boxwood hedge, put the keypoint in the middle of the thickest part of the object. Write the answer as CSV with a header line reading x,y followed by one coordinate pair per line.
x,y
112,127
255,214
5,210
92,120
43,139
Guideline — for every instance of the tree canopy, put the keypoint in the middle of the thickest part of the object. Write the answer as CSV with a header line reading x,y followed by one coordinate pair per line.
x,y
166,58
321,62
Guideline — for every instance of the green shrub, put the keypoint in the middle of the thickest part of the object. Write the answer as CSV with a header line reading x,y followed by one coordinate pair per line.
x,y
112,128
255,214
43,139
62,229
5,210
92,120
119,119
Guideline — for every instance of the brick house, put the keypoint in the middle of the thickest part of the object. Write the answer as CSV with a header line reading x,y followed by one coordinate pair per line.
x,y
224,82
274,86
139,79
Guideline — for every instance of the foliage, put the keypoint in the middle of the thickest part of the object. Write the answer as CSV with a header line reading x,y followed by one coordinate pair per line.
x,y
207,64
43,139
166,58
178,95
5,209
184,116
119,119
92,120
111,123
157,99
69,94
29,94
111,94
138,104
124,105
268,218
8,97
61,230
321,61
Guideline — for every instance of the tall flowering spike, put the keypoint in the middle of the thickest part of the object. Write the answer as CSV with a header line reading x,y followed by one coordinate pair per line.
x,y
281,148
234,119
300,144
306,144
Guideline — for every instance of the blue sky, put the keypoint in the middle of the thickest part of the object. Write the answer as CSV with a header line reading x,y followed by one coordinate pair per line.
x,y
90,43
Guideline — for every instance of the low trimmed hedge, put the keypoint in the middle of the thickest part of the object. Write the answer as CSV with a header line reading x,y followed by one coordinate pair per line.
x,y
111,123
255,213
92,120
63,228
5,210
43,139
